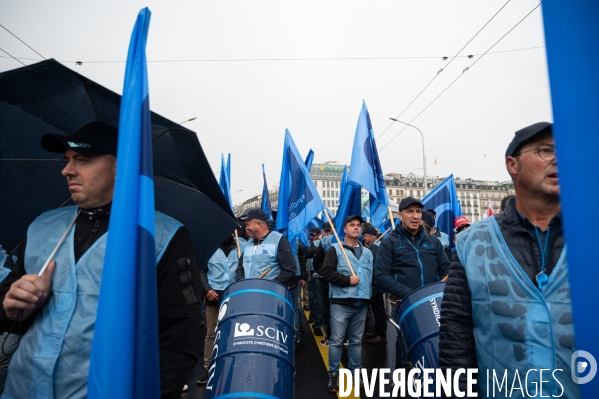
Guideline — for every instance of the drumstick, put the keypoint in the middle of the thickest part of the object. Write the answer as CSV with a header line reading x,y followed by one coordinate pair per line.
x,y
265,273
64,236
394,323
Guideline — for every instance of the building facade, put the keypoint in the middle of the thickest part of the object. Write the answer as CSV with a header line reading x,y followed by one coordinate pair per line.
x,y
474,195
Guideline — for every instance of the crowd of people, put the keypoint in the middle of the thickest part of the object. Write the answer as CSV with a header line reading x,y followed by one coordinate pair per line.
x,y
506,304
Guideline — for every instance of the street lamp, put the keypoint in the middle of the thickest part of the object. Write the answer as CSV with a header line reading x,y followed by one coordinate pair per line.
x,y
189,120
423,155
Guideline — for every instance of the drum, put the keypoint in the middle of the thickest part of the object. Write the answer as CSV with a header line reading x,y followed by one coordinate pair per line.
x,y
253,343
419,316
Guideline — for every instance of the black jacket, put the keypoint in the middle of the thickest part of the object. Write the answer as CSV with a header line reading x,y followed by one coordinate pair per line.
x,y
179,300
456,341
405,262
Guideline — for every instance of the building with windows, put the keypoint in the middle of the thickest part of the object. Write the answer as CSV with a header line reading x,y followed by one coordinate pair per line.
x,y
474,195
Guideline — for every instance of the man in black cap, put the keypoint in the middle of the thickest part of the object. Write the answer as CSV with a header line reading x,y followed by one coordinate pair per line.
x,y
316,312
507,304
59,308
407,259
377,303
350,290
269,252
316,253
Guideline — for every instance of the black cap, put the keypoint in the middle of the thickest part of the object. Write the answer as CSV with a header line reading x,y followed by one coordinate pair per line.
x,y
428,218
352,217
314,231
526,134
95,138
432,211
370,230
254,213
407,202
326,226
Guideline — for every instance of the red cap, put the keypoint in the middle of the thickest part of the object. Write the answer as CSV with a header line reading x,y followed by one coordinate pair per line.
x,y
461,221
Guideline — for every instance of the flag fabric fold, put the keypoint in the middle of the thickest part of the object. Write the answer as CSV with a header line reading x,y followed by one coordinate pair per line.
x,y
299,201
490,209
125,352
224,181
365,165
265,206
443,200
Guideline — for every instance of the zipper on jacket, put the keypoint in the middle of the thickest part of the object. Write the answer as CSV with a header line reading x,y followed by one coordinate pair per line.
x,y
418,256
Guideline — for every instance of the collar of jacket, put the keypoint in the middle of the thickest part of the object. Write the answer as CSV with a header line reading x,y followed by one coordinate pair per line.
x,y
512,220
400,230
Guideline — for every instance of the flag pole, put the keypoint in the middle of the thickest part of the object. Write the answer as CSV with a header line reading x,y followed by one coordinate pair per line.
x,y
237,243
380,237
351,269
391,217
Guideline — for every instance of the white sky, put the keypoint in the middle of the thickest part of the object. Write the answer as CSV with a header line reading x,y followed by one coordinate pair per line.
x,y
243,107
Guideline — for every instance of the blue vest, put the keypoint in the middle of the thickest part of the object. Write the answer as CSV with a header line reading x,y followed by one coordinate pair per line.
x,y
52,360
221,268
362,268
4,271
444,239
326,242
265,256
516,326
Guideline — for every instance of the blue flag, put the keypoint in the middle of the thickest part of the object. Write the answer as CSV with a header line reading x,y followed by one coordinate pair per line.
x,y
266,197
365,167
444,201
225,179
350,204
124,355
309,160
571,32
299,201
344,179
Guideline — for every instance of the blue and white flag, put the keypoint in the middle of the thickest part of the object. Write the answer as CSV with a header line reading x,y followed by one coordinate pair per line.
x,y
365,167
299,201
124,355
225,179
266,197
444,202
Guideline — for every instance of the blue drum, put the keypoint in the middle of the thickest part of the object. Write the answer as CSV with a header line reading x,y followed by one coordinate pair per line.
x,y
253,343
419,316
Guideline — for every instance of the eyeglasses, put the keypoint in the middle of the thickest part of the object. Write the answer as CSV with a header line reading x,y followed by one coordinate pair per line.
x,y
546,152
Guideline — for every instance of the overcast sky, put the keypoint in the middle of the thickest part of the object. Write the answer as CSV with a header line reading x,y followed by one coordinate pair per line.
x,y
249,69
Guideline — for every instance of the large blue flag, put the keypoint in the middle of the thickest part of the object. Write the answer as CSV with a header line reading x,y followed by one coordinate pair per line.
x,y
444,201
266,197
299,201
225,179
365,166
349,204
124,355
344,179
571,33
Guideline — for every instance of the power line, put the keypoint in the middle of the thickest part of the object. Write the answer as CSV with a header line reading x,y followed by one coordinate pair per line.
x,y
16,59
441,70
290,59
21,42
462,74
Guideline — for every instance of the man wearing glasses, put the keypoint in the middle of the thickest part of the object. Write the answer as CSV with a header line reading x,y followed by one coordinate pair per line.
x,y
506,307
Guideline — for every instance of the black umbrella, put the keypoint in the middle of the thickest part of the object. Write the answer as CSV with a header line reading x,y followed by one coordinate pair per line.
x,y
49,98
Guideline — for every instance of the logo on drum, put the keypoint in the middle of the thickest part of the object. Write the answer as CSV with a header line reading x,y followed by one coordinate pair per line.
x,y
243,330
583,367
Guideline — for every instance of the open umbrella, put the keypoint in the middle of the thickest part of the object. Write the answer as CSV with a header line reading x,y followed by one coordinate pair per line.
x,y
49,98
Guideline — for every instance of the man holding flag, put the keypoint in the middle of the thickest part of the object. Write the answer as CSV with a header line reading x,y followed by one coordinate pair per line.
x,y
145,319
59,308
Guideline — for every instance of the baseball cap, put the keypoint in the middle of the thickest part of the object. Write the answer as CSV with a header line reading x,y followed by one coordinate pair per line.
x,y
254,213
370,230
432,211
407,202
353,217
460,221
95,138
314,231
326,226
526,134
428,218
